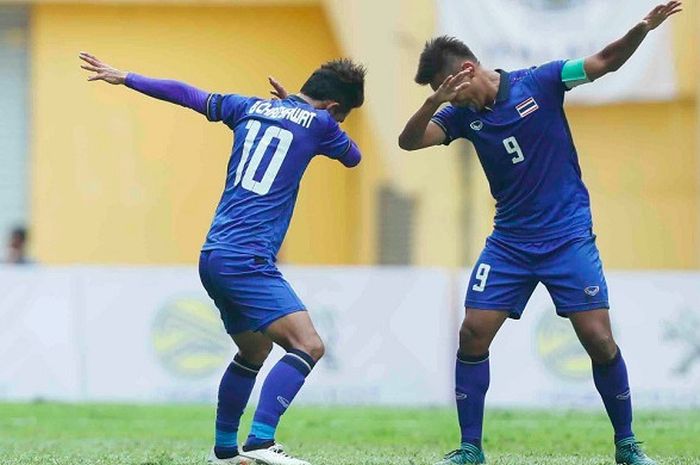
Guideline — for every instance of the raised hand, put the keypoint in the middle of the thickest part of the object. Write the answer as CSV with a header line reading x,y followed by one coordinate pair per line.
x,y
662,12
103,72
450,87
278,89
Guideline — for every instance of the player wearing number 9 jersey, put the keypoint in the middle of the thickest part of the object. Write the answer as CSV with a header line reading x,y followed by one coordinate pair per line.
x,y
542,229
274,141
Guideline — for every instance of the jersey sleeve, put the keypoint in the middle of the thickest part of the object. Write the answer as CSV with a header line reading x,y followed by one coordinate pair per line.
x,y
548,76
336,144
228,108
449,121
561,75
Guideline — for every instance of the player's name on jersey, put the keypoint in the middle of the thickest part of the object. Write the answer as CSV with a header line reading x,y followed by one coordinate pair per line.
x,y
296,115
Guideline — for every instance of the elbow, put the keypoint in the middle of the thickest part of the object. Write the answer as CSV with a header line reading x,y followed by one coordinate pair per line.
x,y
353,157
614,66
353,160
406,144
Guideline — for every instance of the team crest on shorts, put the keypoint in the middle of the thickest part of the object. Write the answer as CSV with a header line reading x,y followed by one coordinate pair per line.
x,y
527,107
477,125
592,290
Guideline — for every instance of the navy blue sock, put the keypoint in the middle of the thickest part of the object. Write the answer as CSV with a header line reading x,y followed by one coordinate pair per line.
x,y
281,386
472,377
611,381
234,392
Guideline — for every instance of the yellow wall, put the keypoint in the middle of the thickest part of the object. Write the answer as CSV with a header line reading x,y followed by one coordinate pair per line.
x,y
640,164
120,178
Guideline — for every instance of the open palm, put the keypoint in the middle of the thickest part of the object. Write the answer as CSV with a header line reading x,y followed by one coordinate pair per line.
x,y
659,14
103,72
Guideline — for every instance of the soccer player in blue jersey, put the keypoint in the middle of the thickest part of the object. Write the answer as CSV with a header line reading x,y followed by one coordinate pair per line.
x,y
274,141
543,228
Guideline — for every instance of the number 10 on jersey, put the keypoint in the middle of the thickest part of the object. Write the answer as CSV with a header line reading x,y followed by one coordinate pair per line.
x,y
284,140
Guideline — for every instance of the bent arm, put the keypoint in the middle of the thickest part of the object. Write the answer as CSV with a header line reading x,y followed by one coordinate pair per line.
x,y
420,132
612,57
352,157
171,91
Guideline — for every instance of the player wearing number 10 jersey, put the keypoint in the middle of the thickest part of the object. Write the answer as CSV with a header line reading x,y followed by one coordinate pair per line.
x,y
543,228
274,141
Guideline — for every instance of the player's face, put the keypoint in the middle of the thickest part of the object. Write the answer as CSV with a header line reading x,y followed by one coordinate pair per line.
x,y
466,96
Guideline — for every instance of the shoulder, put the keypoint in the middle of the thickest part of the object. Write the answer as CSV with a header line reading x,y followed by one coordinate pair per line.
x,y
548,72
545,80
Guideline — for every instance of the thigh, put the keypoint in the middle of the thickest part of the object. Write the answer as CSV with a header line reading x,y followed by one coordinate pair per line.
x,y
234,321
573,275
501,280
253,293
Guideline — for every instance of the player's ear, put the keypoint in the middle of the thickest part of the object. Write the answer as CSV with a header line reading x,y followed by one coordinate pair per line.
x,y
468,66
336,111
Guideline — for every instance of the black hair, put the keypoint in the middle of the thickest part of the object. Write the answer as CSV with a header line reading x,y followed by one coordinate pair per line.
x,y
341,80
437,54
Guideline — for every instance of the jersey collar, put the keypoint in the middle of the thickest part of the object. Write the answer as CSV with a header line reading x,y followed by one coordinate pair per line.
x,y
503,86
503,90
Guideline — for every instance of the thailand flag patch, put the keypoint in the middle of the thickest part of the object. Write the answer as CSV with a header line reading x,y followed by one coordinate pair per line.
x,y
527,107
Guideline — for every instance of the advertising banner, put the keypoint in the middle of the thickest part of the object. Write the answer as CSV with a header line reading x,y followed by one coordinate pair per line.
x,y
151,334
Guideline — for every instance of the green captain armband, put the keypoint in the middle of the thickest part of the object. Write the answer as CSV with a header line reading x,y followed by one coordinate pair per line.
x,y
573,73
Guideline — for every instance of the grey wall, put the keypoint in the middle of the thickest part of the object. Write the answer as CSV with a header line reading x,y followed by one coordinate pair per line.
x,y
14,119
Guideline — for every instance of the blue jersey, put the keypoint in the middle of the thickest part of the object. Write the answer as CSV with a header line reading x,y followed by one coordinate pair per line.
x,y
527,152
274,141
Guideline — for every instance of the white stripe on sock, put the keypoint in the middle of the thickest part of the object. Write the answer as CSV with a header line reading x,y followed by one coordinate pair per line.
x,y
301,359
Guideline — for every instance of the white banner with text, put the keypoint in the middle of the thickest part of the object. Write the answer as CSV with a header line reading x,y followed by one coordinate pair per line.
x,y
515,34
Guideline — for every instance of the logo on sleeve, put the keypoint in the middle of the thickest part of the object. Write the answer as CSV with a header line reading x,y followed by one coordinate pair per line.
x,y
527,107
477,125
592,290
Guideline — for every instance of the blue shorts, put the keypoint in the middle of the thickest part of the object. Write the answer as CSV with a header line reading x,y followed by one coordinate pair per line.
x,y
250,292
507,273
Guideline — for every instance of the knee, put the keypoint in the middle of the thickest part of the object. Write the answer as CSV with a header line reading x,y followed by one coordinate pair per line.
x,y
601,347
257,355
313,346
472,341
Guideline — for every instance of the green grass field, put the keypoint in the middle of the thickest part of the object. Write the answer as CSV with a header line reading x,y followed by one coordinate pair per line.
x,y
163,435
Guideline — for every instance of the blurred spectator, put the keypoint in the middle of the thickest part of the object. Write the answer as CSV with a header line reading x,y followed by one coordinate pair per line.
x,y
17,247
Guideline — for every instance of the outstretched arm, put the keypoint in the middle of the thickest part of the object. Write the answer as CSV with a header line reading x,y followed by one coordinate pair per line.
x,y
163,89
612,57
420,132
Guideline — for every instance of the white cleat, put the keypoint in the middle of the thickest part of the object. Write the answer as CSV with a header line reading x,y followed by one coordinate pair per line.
x,y
237,460
273,455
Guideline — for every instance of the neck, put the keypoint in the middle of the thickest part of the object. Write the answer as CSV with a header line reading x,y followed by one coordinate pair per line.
x,y
307,99
492,81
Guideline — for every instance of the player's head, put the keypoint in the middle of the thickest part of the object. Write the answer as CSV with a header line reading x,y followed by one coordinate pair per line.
x,y
445,56
337,86
18,237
